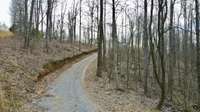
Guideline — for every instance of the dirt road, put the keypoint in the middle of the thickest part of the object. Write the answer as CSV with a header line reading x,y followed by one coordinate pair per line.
x,y
66,92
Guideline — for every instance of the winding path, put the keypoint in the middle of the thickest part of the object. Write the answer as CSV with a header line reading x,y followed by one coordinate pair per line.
x,y
67,90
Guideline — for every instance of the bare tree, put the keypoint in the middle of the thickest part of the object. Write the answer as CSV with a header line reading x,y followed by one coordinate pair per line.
x,y
198,45
152,50
104,39
146,49
91,6
49,21
162,16
100,40
26,23
62,17
80,23
172,52
30,25
185,51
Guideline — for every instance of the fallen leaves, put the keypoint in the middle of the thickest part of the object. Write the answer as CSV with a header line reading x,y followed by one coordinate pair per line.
x,y
19,70
109,99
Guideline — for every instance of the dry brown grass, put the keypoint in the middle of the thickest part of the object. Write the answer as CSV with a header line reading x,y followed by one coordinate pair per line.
x,y
4,34
9,101
19,68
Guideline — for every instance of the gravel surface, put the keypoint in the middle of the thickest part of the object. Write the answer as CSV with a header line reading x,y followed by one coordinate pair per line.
x,y
66,93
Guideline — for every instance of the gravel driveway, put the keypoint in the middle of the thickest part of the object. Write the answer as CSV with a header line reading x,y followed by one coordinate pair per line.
x,y
67,93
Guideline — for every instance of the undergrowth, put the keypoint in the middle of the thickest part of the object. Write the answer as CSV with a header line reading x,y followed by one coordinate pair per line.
x,y
4,34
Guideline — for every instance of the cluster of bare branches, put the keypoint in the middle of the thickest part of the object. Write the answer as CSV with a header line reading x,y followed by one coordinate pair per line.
x,y
158,49
52,18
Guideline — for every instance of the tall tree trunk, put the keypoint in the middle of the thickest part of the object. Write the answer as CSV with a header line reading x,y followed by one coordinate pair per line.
x,y
146,50
198,46
178,44
30,23
185,52
162,15
152,47
42,16
104,39
48,24
152,52
92,23
80,31
172,55
26,23
39,2
62,17
100,40
114,54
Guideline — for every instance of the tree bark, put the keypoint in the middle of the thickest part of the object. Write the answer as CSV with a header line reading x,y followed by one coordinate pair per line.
x,y
48,24
26,23
100,40
104,39
172,55
162,15
146,50
198,46
80,24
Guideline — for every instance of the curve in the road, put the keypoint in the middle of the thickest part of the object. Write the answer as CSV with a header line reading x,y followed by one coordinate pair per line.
x,y
67,90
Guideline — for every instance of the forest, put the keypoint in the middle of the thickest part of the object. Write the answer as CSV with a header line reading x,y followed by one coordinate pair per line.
x,y
160,52
149,47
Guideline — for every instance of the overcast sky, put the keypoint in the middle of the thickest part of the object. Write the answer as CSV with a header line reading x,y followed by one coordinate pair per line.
x,y
4,12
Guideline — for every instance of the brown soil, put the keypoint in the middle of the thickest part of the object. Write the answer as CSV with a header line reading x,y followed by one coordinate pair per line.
x,y
55,65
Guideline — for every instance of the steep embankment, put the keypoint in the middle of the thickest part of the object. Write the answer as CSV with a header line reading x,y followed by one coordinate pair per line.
x,y
20,69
